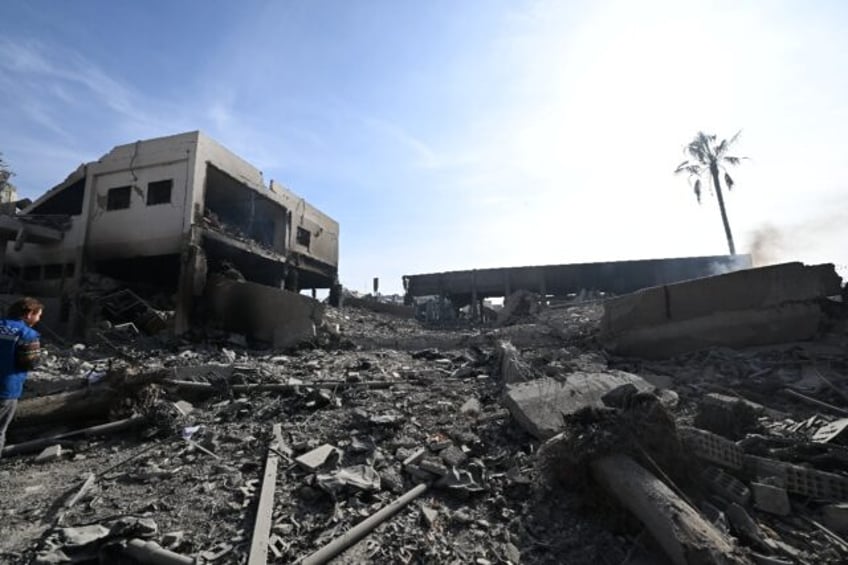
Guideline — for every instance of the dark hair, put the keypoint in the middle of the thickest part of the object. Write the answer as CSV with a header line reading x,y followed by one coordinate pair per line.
x,y
20,308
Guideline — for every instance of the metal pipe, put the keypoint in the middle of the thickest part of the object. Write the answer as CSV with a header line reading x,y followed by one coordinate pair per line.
x,y
362,529
36,444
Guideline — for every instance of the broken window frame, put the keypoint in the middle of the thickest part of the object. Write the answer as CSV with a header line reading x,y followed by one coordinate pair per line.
x,y
157,193
115,199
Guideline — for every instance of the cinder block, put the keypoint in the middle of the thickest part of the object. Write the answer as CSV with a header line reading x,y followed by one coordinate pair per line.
x,y
712,447
812,483
727,485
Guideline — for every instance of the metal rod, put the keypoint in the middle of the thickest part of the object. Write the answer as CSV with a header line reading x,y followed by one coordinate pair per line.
x,y
819,403
362,529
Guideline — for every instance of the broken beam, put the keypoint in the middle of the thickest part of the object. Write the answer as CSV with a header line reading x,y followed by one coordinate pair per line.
x,y
277,387
264,512
684,535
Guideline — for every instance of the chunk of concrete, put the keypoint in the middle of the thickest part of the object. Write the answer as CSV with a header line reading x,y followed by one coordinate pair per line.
x,y
50,453
318,457
83,535
540,405
771,499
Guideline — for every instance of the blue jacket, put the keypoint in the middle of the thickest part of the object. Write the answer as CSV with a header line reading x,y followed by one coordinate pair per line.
x,y
13,334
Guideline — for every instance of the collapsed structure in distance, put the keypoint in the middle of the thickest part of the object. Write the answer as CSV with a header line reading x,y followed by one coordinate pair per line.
x,y
161,216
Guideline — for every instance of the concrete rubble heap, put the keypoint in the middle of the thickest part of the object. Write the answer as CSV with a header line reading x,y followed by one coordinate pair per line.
x,y
382,441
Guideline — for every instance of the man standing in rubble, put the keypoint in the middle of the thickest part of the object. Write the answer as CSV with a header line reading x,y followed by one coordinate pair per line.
x,y
20,350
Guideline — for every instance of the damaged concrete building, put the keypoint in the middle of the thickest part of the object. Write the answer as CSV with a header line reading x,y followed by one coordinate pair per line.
x,y
181,216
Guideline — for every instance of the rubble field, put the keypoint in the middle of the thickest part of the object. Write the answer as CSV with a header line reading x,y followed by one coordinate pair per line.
x,y
496,440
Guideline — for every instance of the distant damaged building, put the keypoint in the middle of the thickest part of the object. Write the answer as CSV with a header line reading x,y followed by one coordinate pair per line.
x,y
178,216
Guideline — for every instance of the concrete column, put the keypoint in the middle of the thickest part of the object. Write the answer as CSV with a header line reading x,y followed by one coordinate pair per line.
x,y
472,307
3,244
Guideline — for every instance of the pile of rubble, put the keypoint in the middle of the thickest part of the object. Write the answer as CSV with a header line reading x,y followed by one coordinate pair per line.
x,y
385,442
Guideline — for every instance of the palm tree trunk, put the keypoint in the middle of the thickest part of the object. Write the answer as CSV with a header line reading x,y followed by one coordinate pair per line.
x,y
717,185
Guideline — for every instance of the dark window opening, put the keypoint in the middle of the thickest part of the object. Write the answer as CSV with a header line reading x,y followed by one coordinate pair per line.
x,y
69,270
160,271
235,208
66,201
159,192
32,273
118,198
53,272
303,237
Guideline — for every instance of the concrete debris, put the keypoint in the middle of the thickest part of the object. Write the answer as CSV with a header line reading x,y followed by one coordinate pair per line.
x,y
568,453
776,304
319,457
50,453
540,406
772,499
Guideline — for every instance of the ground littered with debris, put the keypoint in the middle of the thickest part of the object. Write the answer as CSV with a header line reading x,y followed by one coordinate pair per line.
x,y
752,439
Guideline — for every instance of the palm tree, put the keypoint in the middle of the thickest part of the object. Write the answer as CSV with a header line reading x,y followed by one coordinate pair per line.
x,y
707,156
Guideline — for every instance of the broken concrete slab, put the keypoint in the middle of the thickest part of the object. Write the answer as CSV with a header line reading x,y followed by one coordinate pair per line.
x,y
272,315
772,499
740,328
773,304
749,289
540,405
318,457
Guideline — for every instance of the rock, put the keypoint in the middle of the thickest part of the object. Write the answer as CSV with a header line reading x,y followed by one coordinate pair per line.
x,y
51,453
323,455
471,408
429,514
453,456
511,553
391,480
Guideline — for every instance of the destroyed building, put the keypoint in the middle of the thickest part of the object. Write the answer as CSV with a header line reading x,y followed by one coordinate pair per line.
x,y
163,215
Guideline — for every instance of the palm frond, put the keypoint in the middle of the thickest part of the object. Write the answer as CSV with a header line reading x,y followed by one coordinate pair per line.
x,y
693,169
733,160
728,181
734,138
697,189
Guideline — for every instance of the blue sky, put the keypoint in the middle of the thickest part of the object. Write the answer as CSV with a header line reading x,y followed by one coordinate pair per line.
x,y
448,135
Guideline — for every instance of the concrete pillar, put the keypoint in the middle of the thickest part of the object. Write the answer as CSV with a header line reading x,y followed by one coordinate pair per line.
x,y
472,307
3,244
